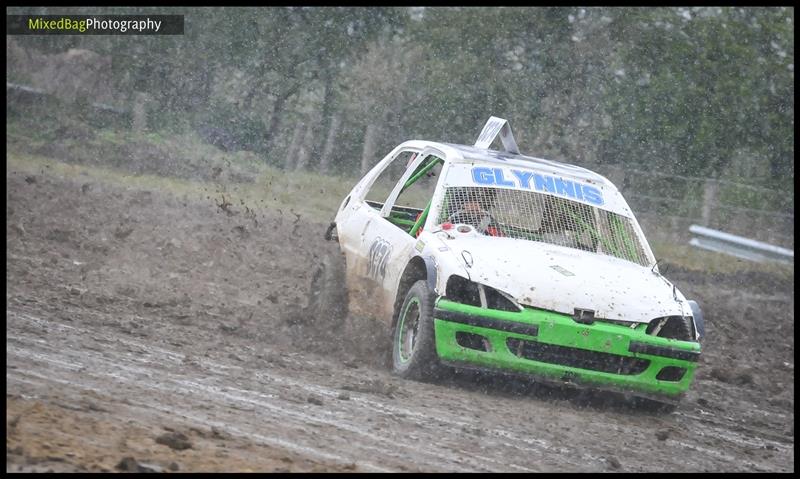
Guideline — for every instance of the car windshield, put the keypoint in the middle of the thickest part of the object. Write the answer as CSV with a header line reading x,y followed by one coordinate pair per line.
x,y
545,218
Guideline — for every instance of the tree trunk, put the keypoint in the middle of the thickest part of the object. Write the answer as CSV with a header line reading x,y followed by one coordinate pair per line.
x,y
325,159
291,153
368,154
275,119
274,124
327,106
305,147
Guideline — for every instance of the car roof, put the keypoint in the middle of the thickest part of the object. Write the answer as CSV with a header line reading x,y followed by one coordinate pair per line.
x,y
457,153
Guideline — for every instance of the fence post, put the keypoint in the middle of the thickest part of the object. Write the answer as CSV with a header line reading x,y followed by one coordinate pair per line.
x,y
709,198
763,230
139,111
367,155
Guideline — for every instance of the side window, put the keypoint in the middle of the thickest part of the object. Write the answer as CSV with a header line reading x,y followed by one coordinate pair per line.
x,y
387,179
409,210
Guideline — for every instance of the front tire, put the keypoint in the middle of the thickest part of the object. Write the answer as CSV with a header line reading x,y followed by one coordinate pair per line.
x,y
413,341
653,406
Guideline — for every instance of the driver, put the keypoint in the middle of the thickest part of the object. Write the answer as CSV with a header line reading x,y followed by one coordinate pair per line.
x,y
473,209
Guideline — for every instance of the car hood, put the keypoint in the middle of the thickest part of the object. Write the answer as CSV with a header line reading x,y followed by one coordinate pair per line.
x,y
562,279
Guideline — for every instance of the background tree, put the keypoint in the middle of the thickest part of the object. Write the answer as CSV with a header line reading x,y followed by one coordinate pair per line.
x,y
700,91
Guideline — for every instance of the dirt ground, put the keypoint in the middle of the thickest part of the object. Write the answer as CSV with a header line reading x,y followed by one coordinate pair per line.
x,y
146,332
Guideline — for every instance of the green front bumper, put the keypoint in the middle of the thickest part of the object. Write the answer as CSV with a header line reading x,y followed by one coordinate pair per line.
x,y
555,346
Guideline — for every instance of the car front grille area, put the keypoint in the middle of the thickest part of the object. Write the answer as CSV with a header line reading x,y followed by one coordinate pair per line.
x,y
577,358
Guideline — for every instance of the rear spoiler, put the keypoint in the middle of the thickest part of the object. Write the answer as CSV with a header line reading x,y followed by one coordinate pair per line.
x,y
489,133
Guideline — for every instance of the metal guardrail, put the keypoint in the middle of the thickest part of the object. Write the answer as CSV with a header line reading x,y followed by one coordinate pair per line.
x,y
24,88
738,246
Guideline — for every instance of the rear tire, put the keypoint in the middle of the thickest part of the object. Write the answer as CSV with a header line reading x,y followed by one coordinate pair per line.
x,y
328,297
413,342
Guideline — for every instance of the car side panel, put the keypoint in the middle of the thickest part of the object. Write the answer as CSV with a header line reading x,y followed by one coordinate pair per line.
x,y
372,246
388,250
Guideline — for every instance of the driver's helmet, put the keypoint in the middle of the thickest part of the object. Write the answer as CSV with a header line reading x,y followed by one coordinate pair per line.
x,y
460,196
486,197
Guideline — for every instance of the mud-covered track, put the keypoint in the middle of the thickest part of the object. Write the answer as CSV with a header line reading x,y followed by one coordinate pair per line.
x,y
130,315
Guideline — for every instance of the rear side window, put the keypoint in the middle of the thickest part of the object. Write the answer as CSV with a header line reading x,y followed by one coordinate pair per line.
x,y
387,179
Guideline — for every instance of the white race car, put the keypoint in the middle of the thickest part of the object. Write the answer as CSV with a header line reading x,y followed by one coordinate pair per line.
x,y
494,260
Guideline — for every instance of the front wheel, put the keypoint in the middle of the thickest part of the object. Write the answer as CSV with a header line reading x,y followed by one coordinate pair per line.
x,y
654,406
414,343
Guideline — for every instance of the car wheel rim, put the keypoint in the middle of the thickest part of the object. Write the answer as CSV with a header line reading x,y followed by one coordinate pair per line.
x,y
409,326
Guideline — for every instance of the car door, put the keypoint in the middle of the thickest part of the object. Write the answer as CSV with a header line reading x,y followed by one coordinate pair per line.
x,y
379,242
382,240
364,235
391,243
